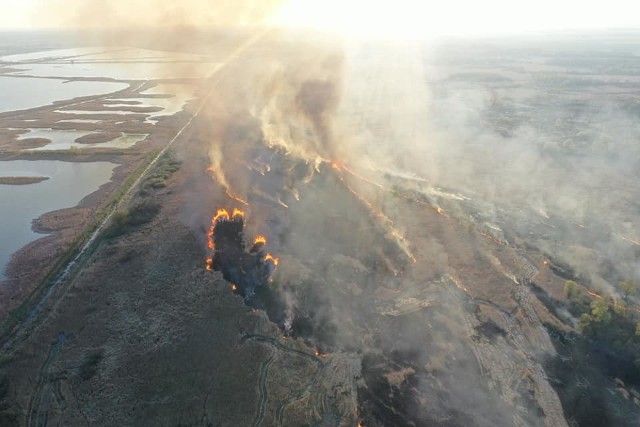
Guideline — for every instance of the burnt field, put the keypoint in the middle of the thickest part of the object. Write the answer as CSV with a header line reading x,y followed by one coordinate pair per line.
x,y
345,238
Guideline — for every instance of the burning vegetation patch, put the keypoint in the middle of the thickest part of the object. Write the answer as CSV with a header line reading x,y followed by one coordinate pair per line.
x,y
244,269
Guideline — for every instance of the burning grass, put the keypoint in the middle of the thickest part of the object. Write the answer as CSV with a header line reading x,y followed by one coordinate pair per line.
x,y
227,253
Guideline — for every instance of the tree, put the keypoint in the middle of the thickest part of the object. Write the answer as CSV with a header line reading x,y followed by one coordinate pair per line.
x,y
628,287
600,310
638,329
585,322
620,308
570,289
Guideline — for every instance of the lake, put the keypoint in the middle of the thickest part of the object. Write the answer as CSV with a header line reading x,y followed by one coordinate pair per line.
x,y
22,93
68,183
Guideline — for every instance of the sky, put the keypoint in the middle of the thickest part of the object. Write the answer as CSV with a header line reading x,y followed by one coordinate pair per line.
x,y
400,18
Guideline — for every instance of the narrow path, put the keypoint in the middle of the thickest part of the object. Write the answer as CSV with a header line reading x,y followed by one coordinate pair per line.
x,y
297,396
262,389
45,388
275,343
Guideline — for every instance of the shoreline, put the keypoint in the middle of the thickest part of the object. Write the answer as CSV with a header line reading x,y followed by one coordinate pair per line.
x,y
62,229
30,264
21,180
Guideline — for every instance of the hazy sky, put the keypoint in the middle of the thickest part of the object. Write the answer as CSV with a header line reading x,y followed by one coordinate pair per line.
x,y
405,18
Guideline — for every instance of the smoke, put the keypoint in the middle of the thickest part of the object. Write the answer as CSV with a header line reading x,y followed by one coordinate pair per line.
x,y
200,27
383,178
565,165
299,104
120,15
374,141
322,163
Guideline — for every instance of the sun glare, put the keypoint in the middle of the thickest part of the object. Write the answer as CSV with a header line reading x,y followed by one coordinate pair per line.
x,y
409,19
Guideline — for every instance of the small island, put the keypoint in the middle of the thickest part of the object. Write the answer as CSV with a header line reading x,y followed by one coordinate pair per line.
x,y
21,180
98,138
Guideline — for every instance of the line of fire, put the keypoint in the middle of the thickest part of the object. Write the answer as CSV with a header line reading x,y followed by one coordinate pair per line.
x,y
245,270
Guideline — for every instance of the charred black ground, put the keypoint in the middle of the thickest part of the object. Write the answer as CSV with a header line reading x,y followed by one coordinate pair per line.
x,y
245,270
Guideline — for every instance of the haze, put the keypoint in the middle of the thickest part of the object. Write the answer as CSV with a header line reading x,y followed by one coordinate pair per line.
x,y
356,213
362,18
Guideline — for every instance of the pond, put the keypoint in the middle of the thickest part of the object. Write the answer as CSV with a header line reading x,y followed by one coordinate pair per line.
x,y
68,183
65,139
22,93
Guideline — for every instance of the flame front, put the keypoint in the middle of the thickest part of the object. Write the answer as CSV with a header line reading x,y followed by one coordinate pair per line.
x,y
384,221
274,260
259,243
237,213
210,244
634,242
236,197
594,294
220,214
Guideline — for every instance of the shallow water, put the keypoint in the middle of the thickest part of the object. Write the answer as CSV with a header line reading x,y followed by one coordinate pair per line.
x,y
78,121
68,183
22,93
179,94
98,112
117,62
65,139
101,53
128,70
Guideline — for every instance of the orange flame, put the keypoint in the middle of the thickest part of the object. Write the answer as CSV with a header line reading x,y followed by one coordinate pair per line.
x,y
635,242
545,262
237,213
357,175
594,294
269,257
234,287
459,285
210,244
236,198
384,220
260,239
209,264
220,214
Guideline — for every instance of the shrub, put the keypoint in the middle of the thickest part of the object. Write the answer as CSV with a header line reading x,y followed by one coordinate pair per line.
x,y
143,212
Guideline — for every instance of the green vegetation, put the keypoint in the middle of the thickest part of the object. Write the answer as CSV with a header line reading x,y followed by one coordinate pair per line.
x,y
610,325
571,290
140,213
144,210
628,288
166,167
600,310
